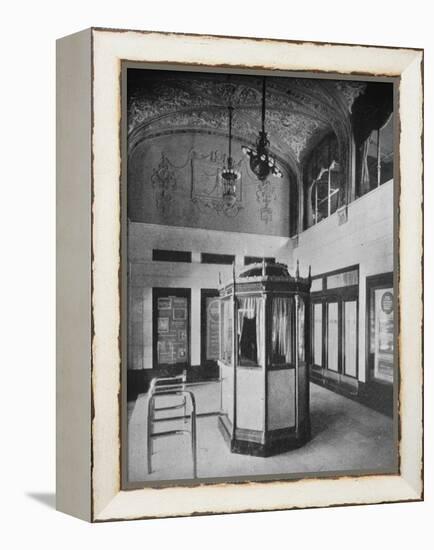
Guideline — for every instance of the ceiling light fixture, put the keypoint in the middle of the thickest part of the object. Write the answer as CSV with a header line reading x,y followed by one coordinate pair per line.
x,y
262,163
229,175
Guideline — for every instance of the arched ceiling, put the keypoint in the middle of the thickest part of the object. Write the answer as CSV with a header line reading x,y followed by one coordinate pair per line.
x,y
299,110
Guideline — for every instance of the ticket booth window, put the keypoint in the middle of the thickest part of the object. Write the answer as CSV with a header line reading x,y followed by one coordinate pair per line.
x,y
250,330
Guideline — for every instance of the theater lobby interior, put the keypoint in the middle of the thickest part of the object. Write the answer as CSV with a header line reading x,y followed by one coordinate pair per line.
x,y
260,294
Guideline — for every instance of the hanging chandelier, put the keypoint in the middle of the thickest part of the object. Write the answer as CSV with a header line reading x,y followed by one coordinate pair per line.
x,y
262,163
229,175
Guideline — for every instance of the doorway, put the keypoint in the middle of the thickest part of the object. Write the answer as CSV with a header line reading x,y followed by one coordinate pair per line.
x,y
334,330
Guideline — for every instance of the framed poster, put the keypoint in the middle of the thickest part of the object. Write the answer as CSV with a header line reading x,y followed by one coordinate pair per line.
x,y
327,142
380,349
384,331
164,303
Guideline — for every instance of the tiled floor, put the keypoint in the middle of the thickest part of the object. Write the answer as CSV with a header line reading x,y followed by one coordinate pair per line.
x,y
345,436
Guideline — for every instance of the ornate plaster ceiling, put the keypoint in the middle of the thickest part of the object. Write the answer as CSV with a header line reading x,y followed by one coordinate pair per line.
x,y
299,111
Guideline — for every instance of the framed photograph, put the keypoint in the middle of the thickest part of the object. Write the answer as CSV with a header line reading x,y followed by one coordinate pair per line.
x,y
163,324
179,314
164,303
247,216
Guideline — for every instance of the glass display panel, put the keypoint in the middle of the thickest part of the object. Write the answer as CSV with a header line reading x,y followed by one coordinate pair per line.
x,y
379,158
250,331
172,329
281,330
345,278
324,179
326,195
317,334
212,305
350,338
226,330
316,285
332,336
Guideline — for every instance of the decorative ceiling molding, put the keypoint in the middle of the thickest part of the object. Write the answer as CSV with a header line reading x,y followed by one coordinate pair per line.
x,y
287,132
298,110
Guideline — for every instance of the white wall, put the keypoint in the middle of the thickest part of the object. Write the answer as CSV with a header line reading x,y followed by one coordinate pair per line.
x,y
365,239
146,274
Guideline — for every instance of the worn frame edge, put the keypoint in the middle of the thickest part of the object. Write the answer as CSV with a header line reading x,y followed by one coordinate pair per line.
x,y
73,275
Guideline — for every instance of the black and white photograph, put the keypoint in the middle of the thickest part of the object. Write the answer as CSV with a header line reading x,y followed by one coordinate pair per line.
x,y
260,264
217,298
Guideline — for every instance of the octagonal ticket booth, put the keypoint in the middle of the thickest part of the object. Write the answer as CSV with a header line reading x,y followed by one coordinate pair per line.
x,y
264,356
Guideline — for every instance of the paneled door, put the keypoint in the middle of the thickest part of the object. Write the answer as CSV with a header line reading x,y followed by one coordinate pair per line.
x,y
335,326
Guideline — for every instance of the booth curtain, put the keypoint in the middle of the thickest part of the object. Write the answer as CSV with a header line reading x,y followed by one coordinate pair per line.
x,y
253,308
301,318
281,328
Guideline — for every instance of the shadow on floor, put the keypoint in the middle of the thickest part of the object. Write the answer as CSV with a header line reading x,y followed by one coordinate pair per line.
x,y
47,499
321,422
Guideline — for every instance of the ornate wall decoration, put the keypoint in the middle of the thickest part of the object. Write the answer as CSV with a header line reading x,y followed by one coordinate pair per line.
x,y
293,129
206,184
349,91
164,182
265,195
175,179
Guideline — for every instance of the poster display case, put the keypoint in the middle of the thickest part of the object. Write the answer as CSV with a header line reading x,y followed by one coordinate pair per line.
x,y
171,327
381,327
